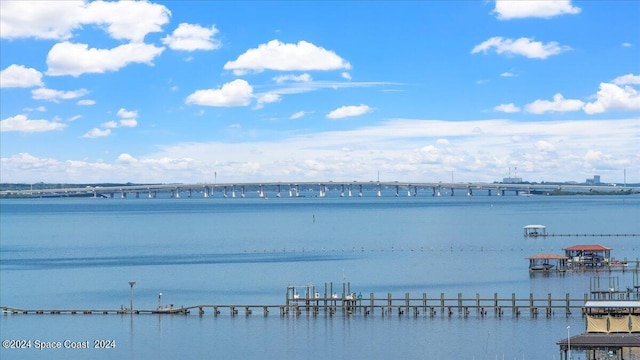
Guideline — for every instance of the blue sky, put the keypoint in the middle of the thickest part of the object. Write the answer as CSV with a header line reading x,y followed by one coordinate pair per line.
x,y
189,91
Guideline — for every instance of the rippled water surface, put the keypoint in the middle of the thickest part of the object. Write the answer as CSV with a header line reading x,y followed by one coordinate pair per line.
x,y
81,253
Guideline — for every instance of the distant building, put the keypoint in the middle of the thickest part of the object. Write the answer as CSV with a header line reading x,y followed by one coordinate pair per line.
x,y
594,181
512,180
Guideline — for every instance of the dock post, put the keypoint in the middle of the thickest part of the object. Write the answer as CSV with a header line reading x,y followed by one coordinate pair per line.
x,y
532,309
477,302
389,301
371,297
459,302
215,311
406,301
424,303
496,308
265,311
442,303
568,306
549,309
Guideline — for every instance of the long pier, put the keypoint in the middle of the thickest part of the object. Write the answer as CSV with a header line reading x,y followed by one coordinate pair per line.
x,y
312,304
317,188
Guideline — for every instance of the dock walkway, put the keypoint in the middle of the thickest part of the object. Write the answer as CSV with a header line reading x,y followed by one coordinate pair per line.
x,y
352,304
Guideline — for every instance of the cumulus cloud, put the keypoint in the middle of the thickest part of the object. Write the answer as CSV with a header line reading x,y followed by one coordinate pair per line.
x,y
57,20
349,111
509,9
522,46
405,149
97,133
613,97
276,55
544,146
86,102
628,79
57,95
559,104
20,123
267,98
129,20
191,37
507,108
76,59
20,76
235,93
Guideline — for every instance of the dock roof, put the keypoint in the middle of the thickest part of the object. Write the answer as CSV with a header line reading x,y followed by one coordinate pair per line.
x,y
547,257
535,227
587,248
611,341
625,304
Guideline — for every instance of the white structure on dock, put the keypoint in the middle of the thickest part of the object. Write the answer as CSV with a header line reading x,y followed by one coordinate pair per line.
x,y
535,230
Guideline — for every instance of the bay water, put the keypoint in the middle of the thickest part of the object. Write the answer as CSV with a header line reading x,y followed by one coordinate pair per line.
x,y
77,253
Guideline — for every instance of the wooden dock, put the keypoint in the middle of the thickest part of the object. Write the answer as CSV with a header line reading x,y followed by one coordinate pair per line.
x,y
355,304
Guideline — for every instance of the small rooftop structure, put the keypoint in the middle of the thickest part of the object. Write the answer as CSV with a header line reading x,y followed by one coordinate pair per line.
x,y
535,230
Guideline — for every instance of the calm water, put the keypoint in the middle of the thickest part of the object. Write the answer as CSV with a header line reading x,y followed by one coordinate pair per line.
x,y
81,253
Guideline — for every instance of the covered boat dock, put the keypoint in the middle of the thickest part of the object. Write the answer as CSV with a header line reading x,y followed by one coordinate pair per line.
x,y
535,230
547,262
588,255
612,331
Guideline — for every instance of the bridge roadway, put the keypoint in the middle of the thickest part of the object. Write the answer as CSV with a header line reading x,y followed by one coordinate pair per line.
x,y
320,187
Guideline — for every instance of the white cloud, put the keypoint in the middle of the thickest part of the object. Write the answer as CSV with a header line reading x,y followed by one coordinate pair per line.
x,y
39,19
57,20
507,108
97,133
276,55
522,46
544,146
128,123
235,93
130,20
57,95
294,78
349,111
613,97
509,9
628,79
109,124
191,37
267,98
345,75
297,115
124,113
20,123
508,74
86,102
559,104
627,44
20,76
401,149
76,59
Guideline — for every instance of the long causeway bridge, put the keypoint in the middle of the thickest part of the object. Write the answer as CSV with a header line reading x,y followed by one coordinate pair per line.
x,y
312,188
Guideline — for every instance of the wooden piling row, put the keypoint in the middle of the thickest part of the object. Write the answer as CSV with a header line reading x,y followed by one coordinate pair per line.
x,y
458,306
